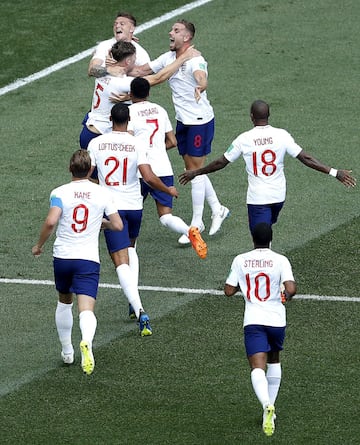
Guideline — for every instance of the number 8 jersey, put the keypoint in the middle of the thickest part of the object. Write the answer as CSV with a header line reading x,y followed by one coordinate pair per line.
x,y
263,149
83,205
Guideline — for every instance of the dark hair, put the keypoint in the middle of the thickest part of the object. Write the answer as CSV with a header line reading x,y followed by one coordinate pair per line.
x,y
120,50
80,164
260,110
120,113
140,88
262,235
188,26
126,15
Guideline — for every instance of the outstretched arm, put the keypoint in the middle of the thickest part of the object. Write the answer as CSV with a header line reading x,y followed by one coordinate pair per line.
x,y
166,72
218,164
343,176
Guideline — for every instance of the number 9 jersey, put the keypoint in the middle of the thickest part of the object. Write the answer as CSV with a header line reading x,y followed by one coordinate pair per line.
x,y
83,204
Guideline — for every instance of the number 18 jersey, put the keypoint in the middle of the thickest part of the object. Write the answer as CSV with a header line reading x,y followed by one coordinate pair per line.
x,y
263,149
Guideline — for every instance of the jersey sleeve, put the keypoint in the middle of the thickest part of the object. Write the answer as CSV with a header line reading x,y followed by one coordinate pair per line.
x,y
234,150
110,206
286,270
158,63
55,198
233,277
292,148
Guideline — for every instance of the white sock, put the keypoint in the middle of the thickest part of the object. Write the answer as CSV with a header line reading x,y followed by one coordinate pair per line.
x,y
273,375
198,198
87,323
64,323
129,288
174,223
134,264
211,196
260,385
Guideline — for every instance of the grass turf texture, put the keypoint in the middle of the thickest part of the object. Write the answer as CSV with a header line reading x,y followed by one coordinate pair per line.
x,y
190,382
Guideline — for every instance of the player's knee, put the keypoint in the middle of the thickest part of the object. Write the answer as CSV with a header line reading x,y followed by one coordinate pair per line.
x,y
165,219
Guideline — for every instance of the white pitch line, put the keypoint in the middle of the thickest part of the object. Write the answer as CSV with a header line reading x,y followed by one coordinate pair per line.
x,y
58,66
179,290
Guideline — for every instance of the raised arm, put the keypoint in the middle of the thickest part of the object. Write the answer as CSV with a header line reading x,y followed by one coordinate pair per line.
x,y
343,176
218,164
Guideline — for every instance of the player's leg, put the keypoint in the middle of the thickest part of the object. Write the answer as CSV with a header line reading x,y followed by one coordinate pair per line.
x,y
257,346
276,338
85,285
176,224
63,313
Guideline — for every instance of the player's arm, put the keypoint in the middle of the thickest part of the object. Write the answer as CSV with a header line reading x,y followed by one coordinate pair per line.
x,y
215,165
140,71
113,223
96,68
170,140
289,290
168,70
201,83
47,229
343,176
230,290
155,182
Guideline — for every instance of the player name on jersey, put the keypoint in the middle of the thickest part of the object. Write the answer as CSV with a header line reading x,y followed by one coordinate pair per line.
x,y
112,146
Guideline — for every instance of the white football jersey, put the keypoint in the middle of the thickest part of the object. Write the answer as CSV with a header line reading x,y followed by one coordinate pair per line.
x,y
117,156
102,51
151,122
263,149
182,84
99,116
259,273
83,205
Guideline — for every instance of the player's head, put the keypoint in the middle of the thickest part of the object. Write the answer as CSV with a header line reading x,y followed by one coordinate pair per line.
x,y
124,26
120,114
182,33
259,111
262,235
80,164
139,88
124,52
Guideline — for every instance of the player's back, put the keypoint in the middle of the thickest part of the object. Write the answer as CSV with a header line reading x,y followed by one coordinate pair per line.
x,y
99,116
83,204
117,156
150,122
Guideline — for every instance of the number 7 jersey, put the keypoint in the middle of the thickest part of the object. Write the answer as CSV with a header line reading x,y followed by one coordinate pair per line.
x,y
263,149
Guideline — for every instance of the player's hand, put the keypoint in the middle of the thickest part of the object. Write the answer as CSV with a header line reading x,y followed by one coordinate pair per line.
x,y
135,39
109,61
186,177
116,98
197,93
173,192
345,177
190,53
36,250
